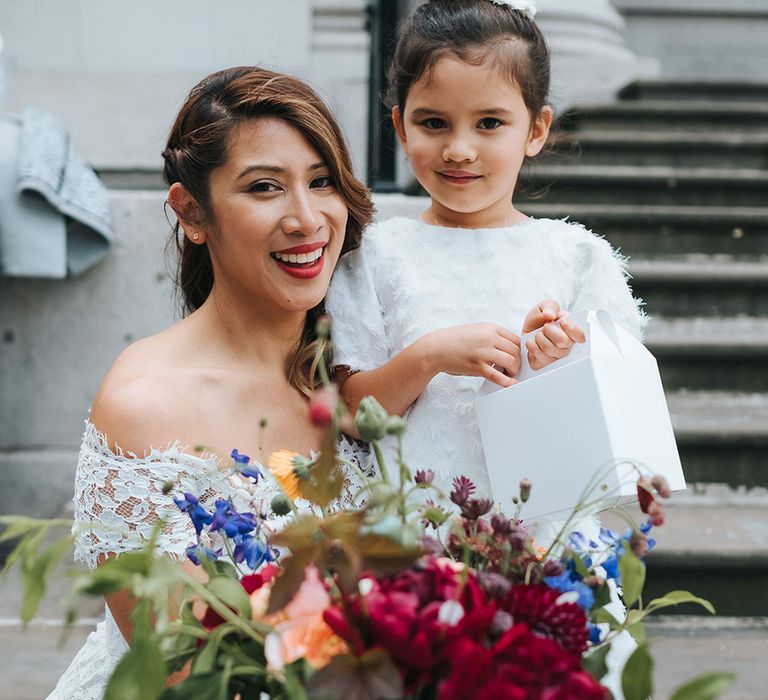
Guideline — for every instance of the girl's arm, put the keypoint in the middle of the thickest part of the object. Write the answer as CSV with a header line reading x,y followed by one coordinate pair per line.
x,y
475,350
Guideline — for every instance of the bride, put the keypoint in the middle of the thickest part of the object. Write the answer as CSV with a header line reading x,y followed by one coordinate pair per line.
x,y
262,186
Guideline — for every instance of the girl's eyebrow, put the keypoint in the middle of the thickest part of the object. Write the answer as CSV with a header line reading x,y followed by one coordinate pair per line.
x,y
493,110
423,111
275,168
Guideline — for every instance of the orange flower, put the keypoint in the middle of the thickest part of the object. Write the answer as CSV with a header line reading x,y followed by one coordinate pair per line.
x,y
281,465
300,631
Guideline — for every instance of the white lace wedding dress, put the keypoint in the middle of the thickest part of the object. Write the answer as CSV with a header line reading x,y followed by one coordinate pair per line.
x,y
118,498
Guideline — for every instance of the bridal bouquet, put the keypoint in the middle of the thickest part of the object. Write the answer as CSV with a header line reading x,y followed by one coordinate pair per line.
x,y
405,593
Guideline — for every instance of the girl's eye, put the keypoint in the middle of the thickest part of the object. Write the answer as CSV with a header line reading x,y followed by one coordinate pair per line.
x,y
263,186
434,123
324,181
489,123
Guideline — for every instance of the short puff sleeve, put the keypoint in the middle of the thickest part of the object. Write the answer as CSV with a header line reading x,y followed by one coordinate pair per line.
x,y
359,331
603,283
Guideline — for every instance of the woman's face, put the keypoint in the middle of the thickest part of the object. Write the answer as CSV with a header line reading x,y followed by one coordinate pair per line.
x,y
279,221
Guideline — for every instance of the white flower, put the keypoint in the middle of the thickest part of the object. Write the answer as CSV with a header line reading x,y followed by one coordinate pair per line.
x,y
567,597
527,7
450,613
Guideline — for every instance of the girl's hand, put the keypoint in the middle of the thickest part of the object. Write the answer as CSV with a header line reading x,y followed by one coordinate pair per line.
x,y
474,350
553,340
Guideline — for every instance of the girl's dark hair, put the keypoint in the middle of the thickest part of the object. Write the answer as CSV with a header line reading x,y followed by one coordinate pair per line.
x,y
475,31
198,144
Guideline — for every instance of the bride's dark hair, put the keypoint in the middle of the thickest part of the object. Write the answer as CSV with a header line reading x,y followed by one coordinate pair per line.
x,y
197,145
475,31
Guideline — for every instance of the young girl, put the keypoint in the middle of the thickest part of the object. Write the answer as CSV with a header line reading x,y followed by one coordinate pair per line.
x,y
425,309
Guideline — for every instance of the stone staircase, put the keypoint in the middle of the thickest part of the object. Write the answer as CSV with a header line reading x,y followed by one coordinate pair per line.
x,y
676,175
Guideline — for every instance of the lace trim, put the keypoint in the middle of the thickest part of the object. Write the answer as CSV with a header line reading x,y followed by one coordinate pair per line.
x,y
119,495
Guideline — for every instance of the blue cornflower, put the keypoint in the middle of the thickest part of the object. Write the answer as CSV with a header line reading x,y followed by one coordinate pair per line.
x,y
565,583
198,551
253,550
243,465
191,506
240,459
228,519
579,542
595,633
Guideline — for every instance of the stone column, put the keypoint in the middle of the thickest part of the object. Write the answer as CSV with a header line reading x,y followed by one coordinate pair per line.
x,y
339,65
590,57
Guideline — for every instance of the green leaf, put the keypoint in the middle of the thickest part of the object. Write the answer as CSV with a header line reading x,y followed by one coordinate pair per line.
x,y
602,596
594,662
141,673
203,686
231,593
226,568
678,598
602,615
368,677
632,577
706,687
635,625
35,573
325,481
287,584
637,677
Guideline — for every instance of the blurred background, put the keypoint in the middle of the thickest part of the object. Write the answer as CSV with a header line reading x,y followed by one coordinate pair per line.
x,y
662,147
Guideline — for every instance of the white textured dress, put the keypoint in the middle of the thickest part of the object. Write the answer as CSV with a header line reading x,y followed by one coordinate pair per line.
x,y
409,278
118,498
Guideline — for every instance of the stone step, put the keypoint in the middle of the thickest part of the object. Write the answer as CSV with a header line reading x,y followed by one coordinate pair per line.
x,y
654,185
722,436
673,147
676,90
720,553
696,115
652,229
728,354
702,286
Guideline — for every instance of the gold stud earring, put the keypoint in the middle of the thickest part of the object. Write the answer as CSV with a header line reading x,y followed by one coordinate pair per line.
x,y
195,236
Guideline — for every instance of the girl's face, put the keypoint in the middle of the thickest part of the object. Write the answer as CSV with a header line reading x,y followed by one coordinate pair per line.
x,y
466,131
279,219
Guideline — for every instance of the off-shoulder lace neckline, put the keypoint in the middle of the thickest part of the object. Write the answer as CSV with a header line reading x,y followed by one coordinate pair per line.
x,y
175,450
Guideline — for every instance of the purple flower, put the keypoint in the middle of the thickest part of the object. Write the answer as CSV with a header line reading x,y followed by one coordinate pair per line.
x,y
242,463
228,519
424,476
191,506
253,550
463,488
198,551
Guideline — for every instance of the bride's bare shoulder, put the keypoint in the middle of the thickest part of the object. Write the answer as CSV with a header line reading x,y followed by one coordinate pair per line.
x,y
140,400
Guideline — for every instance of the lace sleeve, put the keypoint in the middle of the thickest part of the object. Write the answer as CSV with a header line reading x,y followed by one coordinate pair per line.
x,y
119,497
359,332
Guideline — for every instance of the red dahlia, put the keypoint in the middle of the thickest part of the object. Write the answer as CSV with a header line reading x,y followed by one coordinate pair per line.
x,y
537,606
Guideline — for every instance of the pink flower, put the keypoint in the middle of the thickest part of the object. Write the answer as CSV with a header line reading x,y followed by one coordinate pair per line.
x,y
300,630
323,405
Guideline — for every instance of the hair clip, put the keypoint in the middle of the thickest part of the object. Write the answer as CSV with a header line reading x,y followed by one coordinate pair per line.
x,y
527,7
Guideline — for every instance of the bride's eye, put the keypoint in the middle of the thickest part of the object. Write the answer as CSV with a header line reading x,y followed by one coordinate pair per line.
x,y
323,182
489,123
263,186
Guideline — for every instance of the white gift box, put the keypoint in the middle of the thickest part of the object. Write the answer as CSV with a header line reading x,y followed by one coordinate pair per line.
x,y
582,422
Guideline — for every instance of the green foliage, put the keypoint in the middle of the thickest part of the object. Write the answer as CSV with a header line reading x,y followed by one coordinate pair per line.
x,y
141,673
594,662
637,677
632,577
36,561
678,598
707,687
